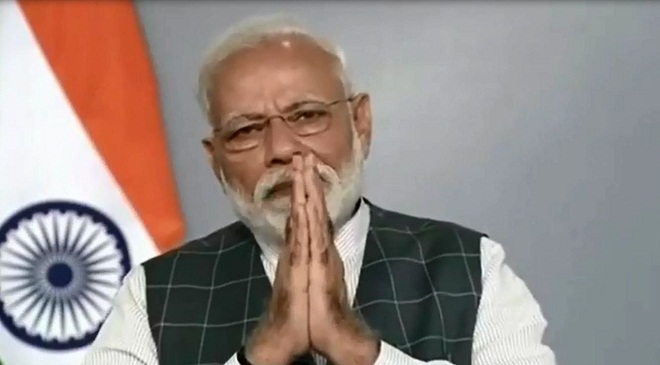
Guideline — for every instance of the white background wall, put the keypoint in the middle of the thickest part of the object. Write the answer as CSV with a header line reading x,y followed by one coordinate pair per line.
x,y
537,123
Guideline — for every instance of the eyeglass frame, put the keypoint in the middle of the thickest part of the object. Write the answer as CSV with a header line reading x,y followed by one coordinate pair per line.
x,y
266,119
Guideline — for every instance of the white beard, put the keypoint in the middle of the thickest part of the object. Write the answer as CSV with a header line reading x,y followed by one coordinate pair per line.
x,y
267,218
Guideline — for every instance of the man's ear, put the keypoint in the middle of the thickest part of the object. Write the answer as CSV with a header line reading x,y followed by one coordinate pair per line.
x,y
209,148
361,105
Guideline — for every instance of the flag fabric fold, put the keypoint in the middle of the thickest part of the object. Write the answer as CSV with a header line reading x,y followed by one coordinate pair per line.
x,y
86,187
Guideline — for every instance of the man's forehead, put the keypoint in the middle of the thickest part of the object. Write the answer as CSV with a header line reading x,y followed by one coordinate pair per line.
x,y
295,46
280,52
281,71
282,80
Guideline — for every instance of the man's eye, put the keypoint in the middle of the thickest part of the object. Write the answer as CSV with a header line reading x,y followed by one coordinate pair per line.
x,y
307,115
246,131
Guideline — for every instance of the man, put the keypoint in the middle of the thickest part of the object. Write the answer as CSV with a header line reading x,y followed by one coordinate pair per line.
x,y
313,272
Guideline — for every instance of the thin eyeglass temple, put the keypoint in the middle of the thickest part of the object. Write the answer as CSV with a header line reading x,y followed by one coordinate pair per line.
x,y
351,98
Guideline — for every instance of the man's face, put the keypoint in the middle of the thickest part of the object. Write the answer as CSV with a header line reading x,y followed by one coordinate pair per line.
x,y
287,76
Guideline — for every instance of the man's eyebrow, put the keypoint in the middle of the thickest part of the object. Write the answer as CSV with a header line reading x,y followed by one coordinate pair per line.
x,y
308,98
297,104
233,116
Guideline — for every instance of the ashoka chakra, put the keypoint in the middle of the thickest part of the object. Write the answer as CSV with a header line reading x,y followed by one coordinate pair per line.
x,y
61,264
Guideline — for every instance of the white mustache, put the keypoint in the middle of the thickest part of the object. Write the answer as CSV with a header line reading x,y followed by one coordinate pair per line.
x,y
272,178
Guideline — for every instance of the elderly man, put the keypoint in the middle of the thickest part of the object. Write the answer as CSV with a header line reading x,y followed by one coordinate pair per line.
x,y
313,272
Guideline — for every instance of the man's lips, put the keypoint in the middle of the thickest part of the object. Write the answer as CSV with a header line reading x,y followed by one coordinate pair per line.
x,y
285,188
280,189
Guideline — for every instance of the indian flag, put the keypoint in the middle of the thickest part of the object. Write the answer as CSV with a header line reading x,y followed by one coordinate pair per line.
x,y
86,189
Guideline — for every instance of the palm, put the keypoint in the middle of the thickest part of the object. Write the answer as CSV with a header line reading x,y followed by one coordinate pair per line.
x,y
327,299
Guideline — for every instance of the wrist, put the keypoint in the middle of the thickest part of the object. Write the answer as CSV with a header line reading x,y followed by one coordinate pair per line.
x,y
265,349
262,355
356,344
355,353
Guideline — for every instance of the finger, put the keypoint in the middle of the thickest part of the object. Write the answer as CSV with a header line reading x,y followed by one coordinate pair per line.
x,y
315,184
299,267
301,229
317,201
290,223
293,238
315,196
298,195
313,204
302,235
315,180
318,247
309,172
289,232
298,202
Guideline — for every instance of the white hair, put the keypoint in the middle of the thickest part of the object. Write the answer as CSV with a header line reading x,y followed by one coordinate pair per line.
x,y
267,218
247,34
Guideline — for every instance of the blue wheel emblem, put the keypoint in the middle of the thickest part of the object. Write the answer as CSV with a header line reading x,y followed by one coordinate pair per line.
x,y
61,264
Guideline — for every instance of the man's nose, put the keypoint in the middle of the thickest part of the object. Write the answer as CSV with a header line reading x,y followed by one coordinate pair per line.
x,y
280,143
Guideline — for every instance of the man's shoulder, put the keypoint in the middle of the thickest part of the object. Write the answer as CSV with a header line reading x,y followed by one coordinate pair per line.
x,y
385,219
211,243
419,237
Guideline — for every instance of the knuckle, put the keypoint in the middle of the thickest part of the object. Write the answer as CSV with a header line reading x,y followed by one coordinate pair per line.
x,y
288,228
293,255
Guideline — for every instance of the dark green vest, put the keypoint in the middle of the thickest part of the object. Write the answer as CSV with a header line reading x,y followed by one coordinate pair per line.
x,y
419,288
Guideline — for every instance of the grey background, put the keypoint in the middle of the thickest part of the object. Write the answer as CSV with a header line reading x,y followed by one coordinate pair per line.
x,y
537,123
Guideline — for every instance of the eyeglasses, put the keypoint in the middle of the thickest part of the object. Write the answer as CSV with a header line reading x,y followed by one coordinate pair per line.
x,y
304,118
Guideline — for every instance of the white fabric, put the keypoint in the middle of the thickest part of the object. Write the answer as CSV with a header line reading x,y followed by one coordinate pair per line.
x,y
48,156
508,331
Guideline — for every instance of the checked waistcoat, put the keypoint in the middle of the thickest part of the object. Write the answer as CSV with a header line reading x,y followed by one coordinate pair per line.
x,y
419,289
